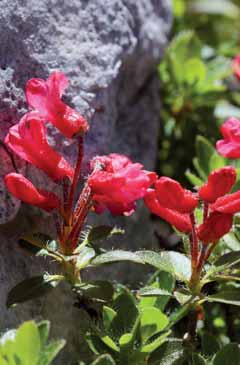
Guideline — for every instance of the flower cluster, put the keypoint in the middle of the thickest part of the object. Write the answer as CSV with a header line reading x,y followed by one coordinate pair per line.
x,y
115,182
176,205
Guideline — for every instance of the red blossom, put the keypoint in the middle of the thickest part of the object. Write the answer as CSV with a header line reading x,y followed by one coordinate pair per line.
x,y
24,190
171,195
45,97
229,204
215,227
229,146
29,141
118,184
219,183
236,66
180,221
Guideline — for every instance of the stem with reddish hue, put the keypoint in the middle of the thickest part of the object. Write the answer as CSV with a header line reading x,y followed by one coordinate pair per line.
x,y
75,178
194,243
202,259
210,250
82,208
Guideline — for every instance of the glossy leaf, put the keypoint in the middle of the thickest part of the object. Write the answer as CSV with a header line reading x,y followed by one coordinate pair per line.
x,y
152,321
116,256
30,289
99,233
175,263
230,296
99,290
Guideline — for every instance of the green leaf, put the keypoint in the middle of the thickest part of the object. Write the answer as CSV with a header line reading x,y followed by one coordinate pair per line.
x,y
99,290
127,314
229,354
28,343
228,296
108,315
51,351
229,259
30,289
216,161
116,256
43,329
155,343
194,71
194,179
149,291
175,263
159,281
102,232
104,360
204,153
183,47
96,345
84,257
34,242
152,321
169,353
232,241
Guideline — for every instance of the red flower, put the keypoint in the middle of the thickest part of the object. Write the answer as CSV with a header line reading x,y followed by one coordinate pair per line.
x,y
28,140
219,183
171,195
180,221
229,204
236,66
24,190
119,184
230,145
45,97
215,227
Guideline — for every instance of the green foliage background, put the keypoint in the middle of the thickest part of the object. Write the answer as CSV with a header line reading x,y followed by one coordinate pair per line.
x,y
198,88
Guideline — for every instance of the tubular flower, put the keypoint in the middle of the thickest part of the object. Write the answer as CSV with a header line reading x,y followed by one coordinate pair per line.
x,y
171,195
180,221
28,140
229,146
229,204
45,97
236,66
215,227
118,184
219,183
24,190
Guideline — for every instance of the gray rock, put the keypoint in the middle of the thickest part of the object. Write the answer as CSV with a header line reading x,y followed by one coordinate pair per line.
x,y
109,50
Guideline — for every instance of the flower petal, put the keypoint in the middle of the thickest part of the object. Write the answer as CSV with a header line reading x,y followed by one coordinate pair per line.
x,y
25,191
219,183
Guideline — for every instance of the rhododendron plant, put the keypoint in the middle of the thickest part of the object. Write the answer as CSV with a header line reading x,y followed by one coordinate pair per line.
x,y
115,183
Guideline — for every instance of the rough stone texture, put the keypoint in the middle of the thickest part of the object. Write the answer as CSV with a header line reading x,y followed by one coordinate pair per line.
x,y
109,50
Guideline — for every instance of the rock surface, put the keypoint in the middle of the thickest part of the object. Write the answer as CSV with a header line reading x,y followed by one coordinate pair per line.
x,y
109,50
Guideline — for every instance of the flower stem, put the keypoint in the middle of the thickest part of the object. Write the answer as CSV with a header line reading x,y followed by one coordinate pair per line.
x,y
75,178
194,244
